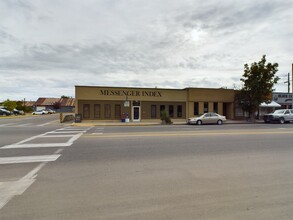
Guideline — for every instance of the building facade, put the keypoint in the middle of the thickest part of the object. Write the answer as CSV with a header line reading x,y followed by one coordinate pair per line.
x,y
284,99
137,104
64,104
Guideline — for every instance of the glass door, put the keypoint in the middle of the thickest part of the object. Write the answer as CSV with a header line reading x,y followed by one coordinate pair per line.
x,y
136,113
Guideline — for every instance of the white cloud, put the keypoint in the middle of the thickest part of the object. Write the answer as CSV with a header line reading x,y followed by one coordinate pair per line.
x,y
47,46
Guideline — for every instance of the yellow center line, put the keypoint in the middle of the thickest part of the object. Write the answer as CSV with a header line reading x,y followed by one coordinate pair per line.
x,y
181,134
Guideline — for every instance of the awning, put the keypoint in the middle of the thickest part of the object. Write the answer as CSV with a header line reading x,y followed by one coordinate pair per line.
x,y
269,105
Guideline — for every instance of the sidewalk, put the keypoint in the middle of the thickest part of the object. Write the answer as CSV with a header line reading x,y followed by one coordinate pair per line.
x,y
148,123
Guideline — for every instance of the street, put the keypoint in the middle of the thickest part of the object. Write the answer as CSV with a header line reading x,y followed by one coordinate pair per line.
x,y
55,171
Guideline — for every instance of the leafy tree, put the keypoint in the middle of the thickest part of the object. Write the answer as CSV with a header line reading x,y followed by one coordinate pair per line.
x,y
57,105
258,80
19,105
10,105
65,97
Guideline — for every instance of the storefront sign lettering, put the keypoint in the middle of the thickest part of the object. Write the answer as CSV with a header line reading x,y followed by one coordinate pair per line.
x,y
130,93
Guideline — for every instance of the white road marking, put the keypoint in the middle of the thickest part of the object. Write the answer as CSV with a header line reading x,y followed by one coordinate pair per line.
x,y
10,189
23,125
18,146
74,138
97,133
65,132
33,173
28,159
59,151
29,139
7,124
57,136
41,125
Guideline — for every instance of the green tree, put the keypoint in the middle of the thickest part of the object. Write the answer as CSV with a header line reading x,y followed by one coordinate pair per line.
x,y
258,82
57,105
165,117
10,105
65,97
19,105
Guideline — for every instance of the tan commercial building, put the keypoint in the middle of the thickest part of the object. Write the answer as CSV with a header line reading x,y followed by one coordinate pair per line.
x,y
137,104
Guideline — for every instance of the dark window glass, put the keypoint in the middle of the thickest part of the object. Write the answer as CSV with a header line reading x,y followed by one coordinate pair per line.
x,y
171,111
196,112
86,110
162,108
117,111
206,107
216,107
97,111
179,111
136,103
153,111
107,111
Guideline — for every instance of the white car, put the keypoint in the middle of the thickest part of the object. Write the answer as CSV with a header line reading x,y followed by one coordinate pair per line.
x,y
50,111
40,112
207,118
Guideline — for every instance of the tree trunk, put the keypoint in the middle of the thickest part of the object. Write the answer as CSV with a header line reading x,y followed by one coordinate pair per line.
x,y
252,117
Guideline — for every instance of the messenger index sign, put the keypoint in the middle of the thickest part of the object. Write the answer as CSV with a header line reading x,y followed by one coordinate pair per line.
x,y
106,92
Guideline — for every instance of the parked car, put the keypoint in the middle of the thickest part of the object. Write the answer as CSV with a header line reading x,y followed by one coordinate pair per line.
x,y
280,115
207,118
40,112
50,111
17,112
4,111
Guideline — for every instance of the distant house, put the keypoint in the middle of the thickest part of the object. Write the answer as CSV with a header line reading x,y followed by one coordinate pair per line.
x,y
29,103
57,104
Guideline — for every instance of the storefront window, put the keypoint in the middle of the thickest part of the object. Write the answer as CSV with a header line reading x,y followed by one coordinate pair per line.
x,y
97,111
107,111
179,111
196,112
171,111
117,111
215,107
162,108
136,103
206,107
153,111
86,110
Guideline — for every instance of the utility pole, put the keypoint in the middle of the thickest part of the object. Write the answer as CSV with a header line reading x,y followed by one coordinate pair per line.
x,y
288,82
292,88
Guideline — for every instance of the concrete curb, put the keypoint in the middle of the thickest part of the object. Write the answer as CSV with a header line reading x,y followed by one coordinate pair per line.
x,y
88,124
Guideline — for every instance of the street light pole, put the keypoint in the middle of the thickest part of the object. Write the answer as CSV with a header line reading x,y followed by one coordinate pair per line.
x,y
292,88
288,82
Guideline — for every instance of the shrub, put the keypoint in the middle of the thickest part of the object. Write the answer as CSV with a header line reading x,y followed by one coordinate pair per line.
x,y
165,118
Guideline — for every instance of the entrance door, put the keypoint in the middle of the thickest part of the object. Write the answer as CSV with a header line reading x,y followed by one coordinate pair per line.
x,y
136,113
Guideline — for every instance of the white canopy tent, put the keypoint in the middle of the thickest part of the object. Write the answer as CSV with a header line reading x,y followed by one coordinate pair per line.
x,y
272,104
265,108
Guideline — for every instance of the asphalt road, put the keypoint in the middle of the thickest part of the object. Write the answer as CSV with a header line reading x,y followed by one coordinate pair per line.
x,y
53,171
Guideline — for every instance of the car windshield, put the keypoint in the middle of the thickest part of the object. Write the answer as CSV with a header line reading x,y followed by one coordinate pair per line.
x,y
279,111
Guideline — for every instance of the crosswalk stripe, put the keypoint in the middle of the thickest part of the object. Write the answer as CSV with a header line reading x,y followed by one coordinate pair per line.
x,y
29,159
23,125
2,125
17,146
41,125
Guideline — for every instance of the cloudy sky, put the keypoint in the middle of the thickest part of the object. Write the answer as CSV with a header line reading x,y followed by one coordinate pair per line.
x,y
49,46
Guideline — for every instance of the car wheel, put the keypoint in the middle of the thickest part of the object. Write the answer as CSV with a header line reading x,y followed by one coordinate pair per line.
x,y
282,121
219,122
199,122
